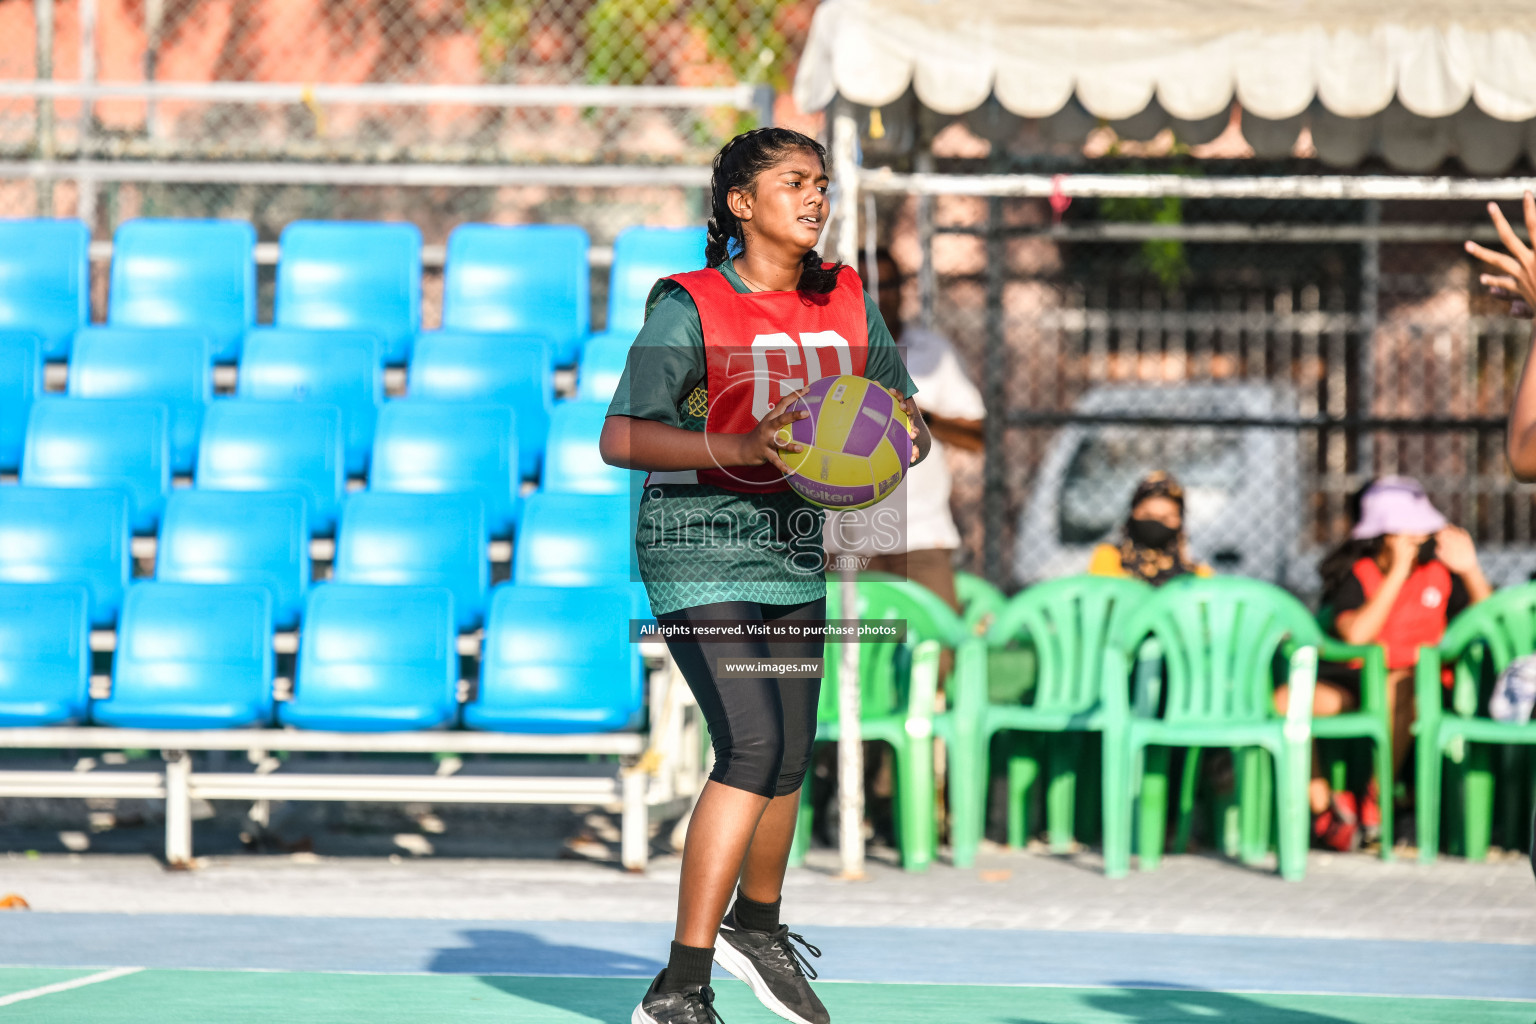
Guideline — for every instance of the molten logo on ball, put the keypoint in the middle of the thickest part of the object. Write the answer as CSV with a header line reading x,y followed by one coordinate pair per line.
x,y
857,446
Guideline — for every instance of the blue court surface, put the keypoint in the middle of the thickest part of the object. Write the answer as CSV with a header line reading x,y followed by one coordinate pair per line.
x,y
171,969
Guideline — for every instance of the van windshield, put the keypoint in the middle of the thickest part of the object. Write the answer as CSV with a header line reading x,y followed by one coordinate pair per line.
x,y
1111,461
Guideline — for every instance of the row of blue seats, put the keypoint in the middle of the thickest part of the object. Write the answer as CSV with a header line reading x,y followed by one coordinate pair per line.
x,y
81,536
281,364
200,275
250,445
371,659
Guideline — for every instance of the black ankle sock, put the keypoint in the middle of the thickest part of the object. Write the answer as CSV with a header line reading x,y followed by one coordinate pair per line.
x,y
755,916
687,967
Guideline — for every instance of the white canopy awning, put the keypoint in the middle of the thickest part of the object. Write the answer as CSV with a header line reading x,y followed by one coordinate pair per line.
x,y
1188,59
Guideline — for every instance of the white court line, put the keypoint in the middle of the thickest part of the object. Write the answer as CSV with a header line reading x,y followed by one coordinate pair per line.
x,y
65,986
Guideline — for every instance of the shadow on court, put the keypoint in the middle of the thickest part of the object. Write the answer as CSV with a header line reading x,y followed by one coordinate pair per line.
x,y
1153,1005
498,955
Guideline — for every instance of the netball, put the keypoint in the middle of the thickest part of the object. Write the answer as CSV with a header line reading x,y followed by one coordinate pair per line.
x,y
858,448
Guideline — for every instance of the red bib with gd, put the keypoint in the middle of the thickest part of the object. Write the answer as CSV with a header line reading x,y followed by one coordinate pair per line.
x,y
761,346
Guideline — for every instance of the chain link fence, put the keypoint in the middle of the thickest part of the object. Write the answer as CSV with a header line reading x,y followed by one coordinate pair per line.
x,y
1275,355
105,109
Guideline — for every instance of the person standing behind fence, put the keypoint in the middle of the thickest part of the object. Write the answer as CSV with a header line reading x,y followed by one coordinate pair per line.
x,y
1153,546
922,547
1515,281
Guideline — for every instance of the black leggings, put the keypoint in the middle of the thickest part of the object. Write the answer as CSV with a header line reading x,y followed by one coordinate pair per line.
x,y
761,727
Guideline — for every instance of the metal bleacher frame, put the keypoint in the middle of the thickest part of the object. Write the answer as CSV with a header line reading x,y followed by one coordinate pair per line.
x,y
656,775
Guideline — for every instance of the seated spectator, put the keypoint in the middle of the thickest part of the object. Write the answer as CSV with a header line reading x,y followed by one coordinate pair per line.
x,y
1398,582
1153,547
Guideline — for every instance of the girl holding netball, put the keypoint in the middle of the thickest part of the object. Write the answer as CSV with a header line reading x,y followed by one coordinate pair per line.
x,y
709,384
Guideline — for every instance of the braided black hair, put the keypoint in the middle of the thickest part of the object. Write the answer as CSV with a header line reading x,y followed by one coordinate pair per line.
x,y
736,168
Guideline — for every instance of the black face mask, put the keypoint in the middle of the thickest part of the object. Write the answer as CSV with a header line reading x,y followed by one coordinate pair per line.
x,y
1150,533
1428,550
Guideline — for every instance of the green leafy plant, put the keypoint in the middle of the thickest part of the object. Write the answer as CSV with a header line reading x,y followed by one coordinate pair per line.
x,y
620,37
498,26
620,34
1163,258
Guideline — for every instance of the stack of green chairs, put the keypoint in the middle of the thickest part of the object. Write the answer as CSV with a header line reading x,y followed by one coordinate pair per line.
x,y
1069,624
898,686
1218,639
1479,645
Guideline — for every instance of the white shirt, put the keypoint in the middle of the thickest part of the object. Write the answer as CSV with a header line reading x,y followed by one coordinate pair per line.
x,y
917,516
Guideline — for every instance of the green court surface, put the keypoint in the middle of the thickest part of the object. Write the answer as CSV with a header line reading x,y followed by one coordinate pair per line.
x,y
264,997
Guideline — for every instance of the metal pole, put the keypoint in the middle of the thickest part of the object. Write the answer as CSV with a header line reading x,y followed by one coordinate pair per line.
x,y
1365,366
178,808
43,14
994,481
850,746
154,16
762,102
85,187
871,245
926,287
850,749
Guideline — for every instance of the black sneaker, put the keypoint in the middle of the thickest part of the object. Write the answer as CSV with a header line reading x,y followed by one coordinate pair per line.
x,y
690,1006
774,969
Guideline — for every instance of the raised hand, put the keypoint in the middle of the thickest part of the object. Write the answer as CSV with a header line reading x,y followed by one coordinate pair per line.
x,y
1454,547
1515,279
1402,552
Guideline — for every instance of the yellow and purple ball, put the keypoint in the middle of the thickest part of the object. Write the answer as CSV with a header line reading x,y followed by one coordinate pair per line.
x,y
857,446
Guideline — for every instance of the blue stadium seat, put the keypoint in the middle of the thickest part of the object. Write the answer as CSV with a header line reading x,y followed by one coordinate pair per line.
x,y
73,442
45,280
343,368
449,447
575,540
602,364
339,276
640,257
45,653
191,274
559,659
375,659
417,540
68,536
21,380
216,537
531,279
170,366
276,446
191,657
573,464
451,366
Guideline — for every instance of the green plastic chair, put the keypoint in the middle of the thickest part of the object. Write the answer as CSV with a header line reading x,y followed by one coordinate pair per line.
x,y
898,686
1218,638
1482,641
1368,722
1069,623
980,601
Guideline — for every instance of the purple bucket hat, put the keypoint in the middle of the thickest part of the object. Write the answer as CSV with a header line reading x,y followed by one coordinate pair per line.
x,y
1396,504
